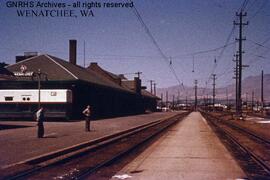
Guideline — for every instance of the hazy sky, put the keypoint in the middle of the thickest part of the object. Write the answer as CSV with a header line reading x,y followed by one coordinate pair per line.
x,y
118,42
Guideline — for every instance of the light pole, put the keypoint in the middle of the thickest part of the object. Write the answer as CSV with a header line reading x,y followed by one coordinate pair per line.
x,y
39,76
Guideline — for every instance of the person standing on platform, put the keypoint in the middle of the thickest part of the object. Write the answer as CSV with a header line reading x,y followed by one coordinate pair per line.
x,y
87,114
40,120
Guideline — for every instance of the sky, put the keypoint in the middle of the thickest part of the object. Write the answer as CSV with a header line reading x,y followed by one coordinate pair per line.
x,y
117,41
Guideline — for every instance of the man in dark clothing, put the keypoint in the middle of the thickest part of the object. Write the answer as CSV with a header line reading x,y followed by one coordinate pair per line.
x,y
40,120
87,114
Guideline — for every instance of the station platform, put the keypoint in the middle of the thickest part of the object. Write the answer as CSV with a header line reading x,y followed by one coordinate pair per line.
x,y
190,150
20,142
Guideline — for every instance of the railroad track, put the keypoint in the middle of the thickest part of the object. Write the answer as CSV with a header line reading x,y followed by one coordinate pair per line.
x,y
252,134
251,150
82,160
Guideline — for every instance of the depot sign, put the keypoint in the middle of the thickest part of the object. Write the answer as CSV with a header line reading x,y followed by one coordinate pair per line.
x,y
23,71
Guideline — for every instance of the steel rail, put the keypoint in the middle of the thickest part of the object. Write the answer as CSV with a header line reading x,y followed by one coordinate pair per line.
x,y
41,163
245,149
93,169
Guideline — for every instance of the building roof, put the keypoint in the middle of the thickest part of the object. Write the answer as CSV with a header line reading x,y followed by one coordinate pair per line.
x,y
119,79
110,76
6,74
130,85
4,71
57,69
148,94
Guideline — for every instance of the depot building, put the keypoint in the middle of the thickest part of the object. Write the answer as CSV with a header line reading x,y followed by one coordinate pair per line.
x,y
64,89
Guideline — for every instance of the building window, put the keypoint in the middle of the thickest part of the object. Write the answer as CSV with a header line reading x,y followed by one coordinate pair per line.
x,y
53,93
8,98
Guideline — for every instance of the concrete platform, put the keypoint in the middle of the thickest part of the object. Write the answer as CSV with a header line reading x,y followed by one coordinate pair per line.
x,y
190,150
20,144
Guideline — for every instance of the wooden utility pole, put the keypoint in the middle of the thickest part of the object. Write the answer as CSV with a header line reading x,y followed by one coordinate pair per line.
x,y
240,52
166,98
236,83
138,74
207,99
178,97
196,83
186,102
262,99
155,88
214,90
151,86
227,98
252,101
173,102
246,100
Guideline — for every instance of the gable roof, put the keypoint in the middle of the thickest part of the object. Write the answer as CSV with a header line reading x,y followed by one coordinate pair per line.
x,y
58,69
148,94
61,70
4,71
126,84
6,74
118,79
130,85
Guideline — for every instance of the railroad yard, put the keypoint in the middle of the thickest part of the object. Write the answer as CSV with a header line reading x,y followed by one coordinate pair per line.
x,y
165,145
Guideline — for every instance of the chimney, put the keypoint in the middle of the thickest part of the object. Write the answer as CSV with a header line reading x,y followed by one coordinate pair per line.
x,y
121,76
137,85
94,64
119,81
26,56
73,51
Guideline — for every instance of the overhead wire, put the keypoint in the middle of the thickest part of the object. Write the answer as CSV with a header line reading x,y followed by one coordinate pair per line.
x,y
259,44
243,6
259,10
205,51
251,5
164,57
219,57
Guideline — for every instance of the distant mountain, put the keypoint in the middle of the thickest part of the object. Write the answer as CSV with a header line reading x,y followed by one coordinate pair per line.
x,y
249,84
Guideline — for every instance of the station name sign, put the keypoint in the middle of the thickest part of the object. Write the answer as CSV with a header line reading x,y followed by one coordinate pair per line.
x,y
23,74
23,71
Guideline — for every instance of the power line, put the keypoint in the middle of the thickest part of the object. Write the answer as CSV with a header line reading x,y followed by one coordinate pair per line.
x,y
206,51
259,44
259,56
243,6
148,32
258,11
220,55
251,5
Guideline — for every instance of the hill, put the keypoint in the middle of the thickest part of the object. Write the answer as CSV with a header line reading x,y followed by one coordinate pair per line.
x,y
251,83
